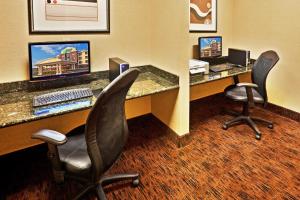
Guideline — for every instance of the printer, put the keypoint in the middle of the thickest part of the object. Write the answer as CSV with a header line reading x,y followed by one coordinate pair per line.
x,y
198,66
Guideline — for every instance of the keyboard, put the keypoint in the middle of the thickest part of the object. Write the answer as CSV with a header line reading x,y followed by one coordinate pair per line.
x,y
220,68
61,96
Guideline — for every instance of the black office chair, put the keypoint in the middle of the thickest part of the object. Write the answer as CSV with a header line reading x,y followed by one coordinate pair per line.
x,y
250,93
88,155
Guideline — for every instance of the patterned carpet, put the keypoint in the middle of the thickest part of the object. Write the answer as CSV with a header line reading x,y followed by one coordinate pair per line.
x,y
216,164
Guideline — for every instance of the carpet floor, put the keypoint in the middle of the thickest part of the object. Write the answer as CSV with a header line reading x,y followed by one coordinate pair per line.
x,y
216,164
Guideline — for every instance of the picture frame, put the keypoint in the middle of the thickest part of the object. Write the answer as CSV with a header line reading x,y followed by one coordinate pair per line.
x,y
203,16
68,16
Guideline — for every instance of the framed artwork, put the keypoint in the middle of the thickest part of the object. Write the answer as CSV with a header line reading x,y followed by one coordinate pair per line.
x,y
68,16
203,15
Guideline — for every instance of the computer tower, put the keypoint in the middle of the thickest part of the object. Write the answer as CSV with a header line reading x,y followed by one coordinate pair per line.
x,y
116,67
239,57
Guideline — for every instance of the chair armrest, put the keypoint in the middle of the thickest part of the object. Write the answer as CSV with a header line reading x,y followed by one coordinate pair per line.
x,y
249,92
50,136
252,85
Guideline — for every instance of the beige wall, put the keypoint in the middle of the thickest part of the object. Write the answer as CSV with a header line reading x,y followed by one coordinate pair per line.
x,y
225,27
169,50
142,32
172,46
129,37
273,24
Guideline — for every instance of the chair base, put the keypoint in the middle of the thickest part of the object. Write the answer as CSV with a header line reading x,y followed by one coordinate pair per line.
x,y
245,118
98,187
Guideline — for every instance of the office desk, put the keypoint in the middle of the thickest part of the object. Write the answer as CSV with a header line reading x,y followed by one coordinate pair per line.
x,y
18,121
213,83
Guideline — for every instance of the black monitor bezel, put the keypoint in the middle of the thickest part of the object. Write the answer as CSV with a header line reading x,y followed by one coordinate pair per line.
x,y
55,77
199,47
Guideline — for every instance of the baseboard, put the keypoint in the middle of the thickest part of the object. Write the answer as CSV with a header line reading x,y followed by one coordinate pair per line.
x,y
179,141
270,106
283,111
184,140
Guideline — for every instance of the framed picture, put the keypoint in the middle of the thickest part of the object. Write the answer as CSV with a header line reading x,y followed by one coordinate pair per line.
x,y
68,16
203,16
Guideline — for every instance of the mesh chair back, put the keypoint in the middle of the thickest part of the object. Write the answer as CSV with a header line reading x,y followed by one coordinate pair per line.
x,y
106,128
261,69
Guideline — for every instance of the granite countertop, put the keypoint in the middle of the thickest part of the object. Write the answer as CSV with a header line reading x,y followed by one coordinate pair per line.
x,y
212,76
16,98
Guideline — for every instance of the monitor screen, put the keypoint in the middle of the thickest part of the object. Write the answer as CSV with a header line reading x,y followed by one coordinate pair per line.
x,y
52,60
210,47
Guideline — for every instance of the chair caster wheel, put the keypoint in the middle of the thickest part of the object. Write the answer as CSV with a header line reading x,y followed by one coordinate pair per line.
x,y
135,182
225,127
258,136
270,126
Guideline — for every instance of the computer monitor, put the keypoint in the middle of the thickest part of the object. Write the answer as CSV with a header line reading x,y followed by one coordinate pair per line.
x,y
53,60
210,47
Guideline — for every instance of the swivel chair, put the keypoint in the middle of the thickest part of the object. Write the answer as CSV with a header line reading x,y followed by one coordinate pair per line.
x,y
86,156
250,93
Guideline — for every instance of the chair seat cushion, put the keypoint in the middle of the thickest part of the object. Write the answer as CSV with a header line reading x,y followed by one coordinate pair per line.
x,y
239,94
74,155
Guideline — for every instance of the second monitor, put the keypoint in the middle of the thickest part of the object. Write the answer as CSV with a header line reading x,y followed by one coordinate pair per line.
x,y
210,47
